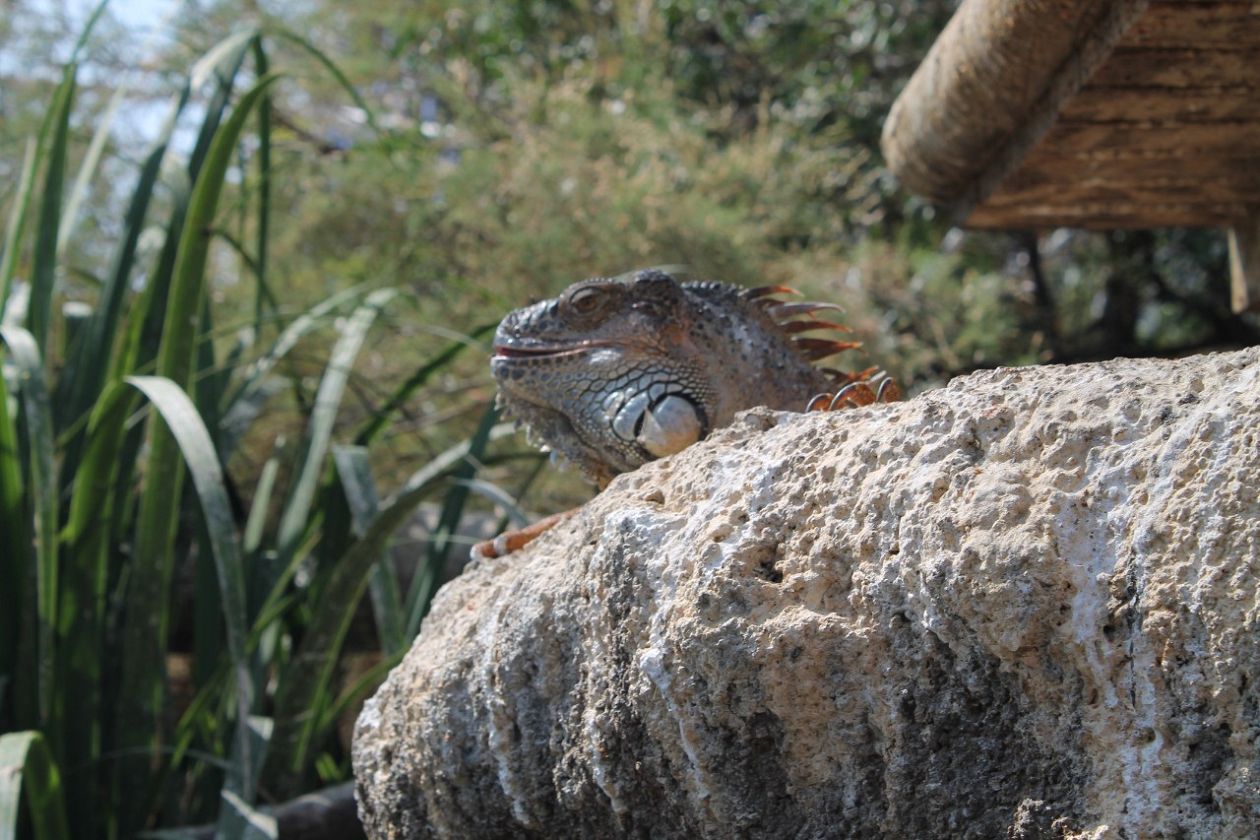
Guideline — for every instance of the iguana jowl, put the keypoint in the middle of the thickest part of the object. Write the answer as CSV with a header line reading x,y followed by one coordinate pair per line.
x,y
619,371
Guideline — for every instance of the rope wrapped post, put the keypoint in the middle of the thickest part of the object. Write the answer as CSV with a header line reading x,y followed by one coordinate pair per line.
x,y
990,88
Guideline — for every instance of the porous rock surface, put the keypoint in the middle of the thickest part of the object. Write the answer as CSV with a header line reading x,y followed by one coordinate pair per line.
x,y
1023,605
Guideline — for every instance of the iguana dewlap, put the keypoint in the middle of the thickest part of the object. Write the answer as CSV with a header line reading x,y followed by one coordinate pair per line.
x,y
616,372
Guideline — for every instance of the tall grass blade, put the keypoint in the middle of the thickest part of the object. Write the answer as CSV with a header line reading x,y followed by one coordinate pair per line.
x,y
17,221
331,67
87,30
70,216
262,293
257,520
385,415
89,532
14,557
246,401
223,62
311,668
424,584
221,59
26,764
305,683
147,599
354,472
145,334
296,515
44,268
34,160
84,379
207,381
357,690
43,490
197,449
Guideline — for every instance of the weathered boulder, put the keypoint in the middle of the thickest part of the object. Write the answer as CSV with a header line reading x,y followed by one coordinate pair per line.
x,y
1023,605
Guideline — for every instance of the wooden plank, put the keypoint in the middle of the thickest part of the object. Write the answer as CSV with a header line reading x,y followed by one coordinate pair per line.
x,y
1110,163
1206,25
1171,105
1156,190
1184,67
1164,139
1244,263
1104,216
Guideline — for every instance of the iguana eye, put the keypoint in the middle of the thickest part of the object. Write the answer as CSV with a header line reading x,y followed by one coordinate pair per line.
x,y
586,301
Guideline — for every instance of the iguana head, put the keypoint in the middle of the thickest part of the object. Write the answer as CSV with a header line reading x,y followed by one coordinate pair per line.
x,y
606,373
619,371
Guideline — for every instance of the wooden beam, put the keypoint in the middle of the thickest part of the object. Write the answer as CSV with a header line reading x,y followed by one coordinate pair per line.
x,y
1244,264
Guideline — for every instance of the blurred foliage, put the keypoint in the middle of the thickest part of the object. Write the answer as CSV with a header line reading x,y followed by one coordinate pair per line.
x,y
472,156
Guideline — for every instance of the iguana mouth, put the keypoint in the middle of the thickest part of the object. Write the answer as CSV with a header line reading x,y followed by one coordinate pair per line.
x,y
506,351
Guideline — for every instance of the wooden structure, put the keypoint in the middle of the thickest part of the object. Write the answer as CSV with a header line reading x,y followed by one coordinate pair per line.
x,y
1091,113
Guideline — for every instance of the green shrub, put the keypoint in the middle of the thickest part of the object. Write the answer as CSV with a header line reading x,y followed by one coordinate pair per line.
x,y
118,413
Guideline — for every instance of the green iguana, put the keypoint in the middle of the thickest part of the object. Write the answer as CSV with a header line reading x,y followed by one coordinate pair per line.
x,y
616,372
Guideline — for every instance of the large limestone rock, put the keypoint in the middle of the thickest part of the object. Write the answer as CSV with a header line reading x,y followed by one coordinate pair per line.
x,y
1024,605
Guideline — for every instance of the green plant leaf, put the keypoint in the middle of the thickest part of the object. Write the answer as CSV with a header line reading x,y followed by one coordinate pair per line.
x,y
26,765
296,516
70,216
88,534
330,66
225,55
35,151
17,221
262,292
354,474
15,529
424,584
385,414
306,680
42,486
44,269
246,401
148,595
84,379
197,449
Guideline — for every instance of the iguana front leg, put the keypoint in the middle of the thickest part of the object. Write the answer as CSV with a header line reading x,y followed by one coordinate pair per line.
x,y
510,541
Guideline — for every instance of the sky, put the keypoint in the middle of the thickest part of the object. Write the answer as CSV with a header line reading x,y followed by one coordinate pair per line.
x,y
148,25
146,17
